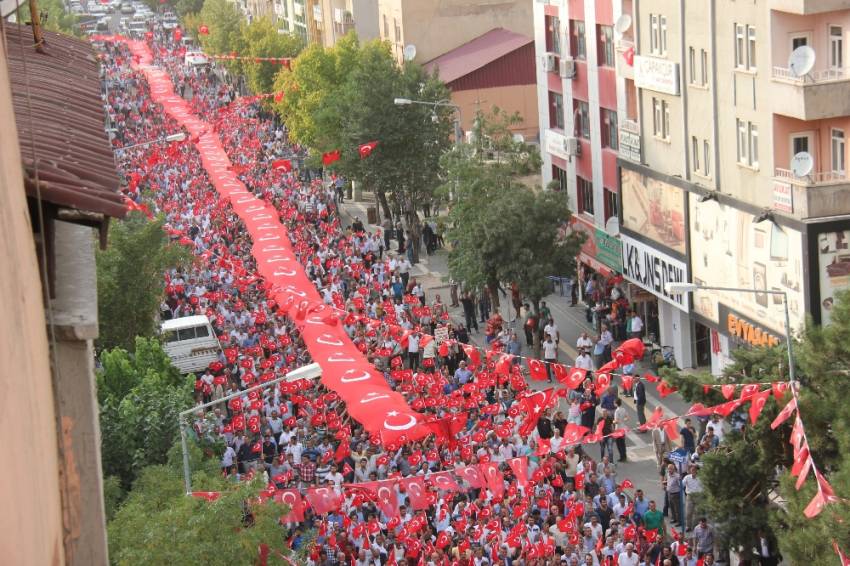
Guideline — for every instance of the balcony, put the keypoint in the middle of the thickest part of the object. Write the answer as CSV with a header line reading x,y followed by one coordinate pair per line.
x,y
820,94
825,193
805,7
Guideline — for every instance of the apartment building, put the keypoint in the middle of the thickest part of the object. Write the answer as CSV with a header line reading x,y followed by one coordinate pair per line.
x,y
585,101
435,27
737,177
326,21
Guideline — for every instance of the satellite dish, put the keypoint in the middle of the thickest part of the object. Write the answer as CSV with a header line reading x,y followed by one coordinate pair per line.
x,y
623,23
801,61
409,52
612,226
802,164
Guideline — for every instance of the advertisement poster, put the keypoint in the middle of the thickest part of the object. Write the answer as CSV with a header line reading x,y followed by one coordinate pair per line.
x,y
654,209
834,272
735,252
653,270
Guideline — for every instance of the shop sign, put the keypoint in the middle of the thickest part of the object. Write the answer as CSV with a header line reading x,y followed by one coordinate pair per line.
x,y
656,74
743,330
653,270
609,250
783,197
555,143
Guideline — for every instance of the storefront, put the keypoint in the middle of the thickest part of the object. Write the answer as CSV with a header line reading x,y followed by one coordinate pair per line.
x,y
654,252
732,250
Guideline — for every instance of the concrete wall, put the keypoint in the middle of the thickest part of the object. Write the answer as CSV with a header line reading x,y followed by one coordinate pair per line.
x,y
785,26
438,26
699,97
31,523
519,98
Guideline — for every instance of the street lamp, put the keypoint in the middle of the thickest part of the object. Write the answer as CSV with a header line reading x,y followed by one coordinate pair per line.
x,y
447,103
687,287
170,138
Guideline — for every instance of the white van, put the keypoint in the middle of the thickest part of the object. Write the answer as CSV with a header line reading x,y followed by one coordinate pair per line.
x,y
190,342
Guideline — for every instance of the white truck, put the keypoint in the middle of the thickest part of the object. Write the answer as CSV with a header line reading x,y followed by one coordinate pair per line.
x,y
190,342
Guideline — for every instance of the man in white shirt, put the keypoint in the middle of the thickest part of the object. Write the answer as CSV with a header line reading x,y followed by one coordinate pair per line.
x,y
636,326
552,330
693,487
628,557
413,350
550,354
584,342
584,361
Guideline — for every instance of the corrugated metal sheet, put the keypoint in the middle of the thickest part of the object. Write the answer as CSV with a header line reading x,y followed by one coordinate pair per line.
x,y
479,52
514,68
59,117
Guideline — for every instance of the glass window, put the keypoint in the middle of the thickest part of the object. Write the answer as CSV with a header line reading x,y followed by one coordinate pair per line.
x,y
553,34
556,110
695,152
171,336
605,36
740,54
704,57
838,151
742,141
582,113
692,65
751,48
579,46
706,158
186,334
202,331
666,122
662,43
612,204
585,195
609,129
836,47
657,118
754,145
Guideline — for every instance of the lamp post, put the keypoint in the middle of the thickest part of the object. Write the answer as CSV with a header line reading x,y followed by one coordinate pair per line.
x,y
681,288
170,138
447,103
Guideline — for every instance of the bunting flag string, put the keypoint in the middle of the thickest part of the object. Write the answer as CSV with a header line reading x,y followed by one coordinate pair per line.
x,y
285,61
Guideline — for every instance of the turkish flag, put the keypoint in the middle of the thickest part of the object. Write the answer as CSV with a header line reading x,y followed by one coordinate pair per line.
x,y
537,370
534,405
204,30
472,476
385,498
284,164
278,96
330,156
473,355
323,500
519,466
728,391
444,481
417,492
784,414
208,495
574,377
573,433
757,402
366,149
845,561
665,389
443,540
291,498
494,477
579,481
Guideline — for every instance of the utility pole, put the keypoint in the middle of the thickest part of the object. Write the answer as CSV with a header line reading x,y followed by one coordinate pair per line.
x,y
35,19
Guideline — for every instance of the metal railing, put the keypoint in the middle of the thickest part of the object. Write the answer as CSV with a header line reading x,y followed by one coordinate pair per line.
x,y
813,77
815,178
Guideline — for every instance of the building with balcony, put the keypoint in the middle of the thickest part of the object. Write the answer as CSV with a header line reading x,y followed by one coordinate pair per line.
x,y
588,117
739,172
326,21
435,27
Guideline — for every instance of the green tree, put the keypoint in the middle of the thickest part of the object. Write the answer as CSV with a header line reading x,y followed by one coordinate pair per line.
x,y
54,16
501,229
141,396
130,280
183,7
741,478
159,524
224,22
260,38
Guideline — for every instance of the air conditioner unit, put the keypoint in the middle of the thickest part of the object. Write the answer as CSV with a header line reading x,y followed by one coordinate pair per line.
x,y
548,62
568,68
572,147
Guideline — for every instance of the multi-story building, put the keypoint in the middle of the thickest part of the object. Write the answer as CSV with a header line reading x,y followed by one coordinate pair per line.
x,y
437,26
584,103
326,21
737,176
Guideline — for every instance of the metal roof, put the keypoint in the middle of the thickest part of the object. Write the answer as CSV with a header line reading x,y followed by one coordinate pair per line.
x,y
60,122
477,53
185,322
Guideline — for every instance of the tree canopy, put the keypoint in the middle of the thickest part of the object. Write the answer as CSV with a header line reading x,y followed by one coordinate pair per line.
x,y
130,281
260,38
501,229
741,478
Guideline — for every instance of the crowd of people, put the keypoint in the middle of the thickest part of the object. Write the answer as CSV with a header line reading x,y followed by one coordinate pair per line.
x,y
560,505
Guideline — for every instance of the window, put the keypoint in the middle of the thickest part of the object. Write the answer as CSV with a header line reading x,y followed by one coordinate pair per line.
x,y
706,158
838,152
836,47
386,28
397,31
556,111
799,41
605,48
553,34
612,204
745,47
799,143
748,143
704,69
581,112
202,331
658,34
695,153
559,175
585,195
692,65
608,118
579,46
660,119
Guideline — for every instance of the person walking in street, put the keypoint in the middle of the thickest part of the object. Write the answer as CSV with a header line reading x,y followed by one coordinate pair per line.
x,y
621,420
704,538
530,325
662,446
550,355
468,303
673,487
399,234
640,401
387,228
693,489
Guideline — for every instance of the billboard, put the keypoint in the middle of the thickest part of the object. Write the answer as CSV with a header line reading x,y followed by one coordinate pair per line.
x,y
833,268
729,250
654,209
652,270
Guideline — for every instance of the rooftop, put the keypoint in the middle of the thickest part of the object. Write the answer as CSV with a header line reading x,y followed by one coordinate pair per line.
x,y
477,53
66,153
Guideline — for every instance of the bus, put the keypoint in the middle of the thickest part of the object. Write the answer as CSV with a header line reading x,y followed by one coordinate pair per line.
x,y
190,342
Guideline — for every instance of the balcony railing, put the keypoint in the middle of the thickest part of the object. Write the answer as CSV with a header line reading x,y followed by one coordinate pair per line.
x,y
819,178
813,77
